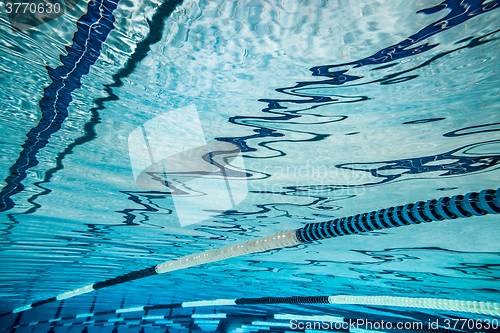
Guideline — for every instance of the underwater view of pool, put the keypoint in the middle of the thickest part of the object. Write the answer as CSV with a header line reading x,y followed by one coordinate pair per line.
x,y
249,166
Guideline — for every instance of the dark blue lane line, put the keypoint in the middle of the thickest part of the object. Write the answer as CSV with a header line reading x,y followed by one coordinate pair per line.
x,y
89,133
93,29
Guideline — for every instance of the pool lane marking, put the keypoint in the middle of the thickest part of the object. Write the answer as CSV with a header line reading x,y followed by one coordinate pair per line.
x,y
57,96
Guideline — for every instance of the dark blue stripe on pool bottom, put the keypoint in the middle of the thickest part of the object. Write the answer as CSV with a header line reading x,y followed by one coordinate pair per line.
x,y
155,34
93,29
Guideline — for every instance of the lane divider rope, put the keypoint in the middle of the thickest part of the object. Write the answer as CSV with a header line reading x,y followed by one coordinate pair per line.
x,y
445,208
484,308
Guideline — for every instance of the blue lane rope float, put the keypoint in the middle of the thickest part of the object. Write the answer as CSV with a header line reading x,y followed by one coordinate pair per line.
x,y
484,308
445,208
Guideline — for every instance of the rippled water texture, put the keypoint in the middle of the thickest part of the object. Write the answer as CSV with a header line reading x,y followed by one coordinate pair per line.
x,y
333,107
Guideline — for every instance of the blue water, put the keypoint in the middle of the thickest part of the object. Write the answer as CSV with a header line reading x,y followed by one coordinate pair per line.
x,y
336,108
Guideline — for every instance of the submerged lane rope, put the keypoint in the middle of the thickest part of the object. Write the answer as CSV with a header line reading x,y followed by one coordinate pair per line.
x,y
485,308
445,208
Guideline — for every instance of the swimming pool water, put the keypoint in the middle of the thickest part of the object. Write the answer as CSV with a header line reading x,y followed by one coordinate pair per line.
x,y
332,108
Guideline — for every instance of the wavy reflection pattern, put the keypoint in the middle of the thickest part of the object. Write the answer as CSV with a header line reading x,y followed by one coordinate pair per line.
x,y
459,12
304,99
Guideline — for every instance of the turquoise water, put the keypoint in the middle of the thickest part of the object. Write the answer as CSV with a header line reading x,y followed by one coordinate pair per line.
x,y
334,109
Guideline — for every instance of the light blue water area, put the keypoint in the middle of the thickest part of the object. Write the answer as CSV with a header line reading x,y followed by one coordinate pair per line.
x,y
334,108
